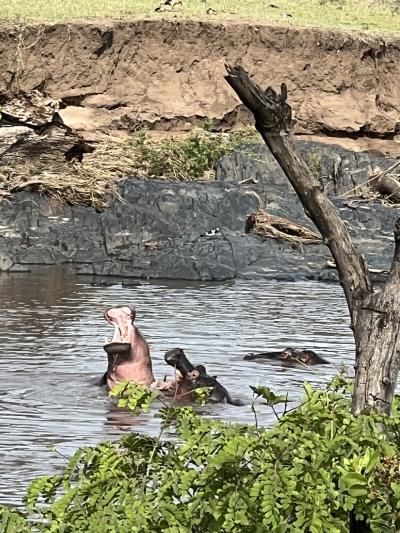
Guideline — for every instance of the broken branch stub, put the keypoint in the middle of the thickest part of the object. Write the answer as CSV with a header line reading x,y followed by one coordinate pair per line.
x,y
270,109
375,318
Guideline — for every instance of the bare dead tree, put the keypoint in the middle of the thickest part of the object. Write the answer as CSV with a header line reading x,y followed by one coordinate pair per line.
x,y
375,316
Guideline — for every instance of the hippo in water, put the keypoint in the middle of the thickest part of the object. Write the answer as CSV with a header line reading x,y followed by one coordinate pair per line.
x,y
189,378
128,355
128,352
290,356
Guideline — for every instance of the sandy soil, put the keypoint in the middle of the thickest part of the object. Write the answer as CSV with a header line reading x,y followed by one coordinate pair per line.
x,y
168,75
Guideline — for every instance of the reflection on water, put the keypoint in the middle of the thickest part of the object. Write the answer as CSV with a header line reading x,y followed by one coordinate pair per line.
x,y
52,331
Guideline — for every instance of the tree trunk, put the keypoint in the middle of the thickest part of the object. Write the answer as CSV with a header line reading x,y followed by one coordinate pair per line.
x,y
377,334
375,317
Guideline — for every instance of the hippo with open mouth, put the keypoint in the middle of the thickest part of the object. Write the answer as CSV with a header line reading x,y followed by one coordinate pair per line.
x,y
290,356
189,378
128,352
129,360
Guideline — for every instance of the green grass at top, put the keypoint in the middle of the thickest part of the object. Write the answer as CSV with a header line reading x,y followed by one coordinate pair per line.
x,y
367,15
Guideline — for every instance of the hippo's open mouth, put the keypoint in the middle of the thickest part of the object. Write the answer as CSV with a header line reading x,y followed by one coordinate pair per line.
x,y
121,317
183,367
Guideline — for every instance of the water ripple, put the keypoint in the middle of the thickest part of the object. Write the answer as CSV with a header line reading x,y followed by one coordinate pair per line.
x,y
52,332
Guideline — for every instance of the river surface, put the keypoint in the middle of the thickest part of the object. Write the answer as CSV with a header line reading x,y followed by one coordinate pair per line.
x,y
52,332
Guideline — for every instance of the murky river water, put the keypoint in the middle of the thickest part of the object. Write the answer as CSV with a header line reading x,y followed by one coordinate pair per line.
x,y
52,331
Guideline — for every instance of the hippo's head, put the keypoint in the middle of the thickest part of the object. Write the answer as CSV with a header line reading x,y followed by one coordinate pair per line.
x,y
289,356
177,358
122,318
308,357
120,312
189,378
288,353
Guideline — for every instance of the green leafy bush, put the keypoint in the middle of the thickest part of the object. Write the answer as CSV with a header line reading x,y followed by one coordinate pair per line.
x,y
192,156
307,473
137,398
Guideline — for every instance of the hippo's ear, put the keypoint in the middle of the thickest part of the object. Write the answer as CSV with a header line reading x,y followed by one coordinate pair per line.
x,y
133,313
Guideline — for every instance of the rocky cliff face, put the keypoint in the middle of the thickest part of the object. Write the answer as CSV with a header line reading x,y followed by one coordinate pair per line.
x,y
168,74
167,230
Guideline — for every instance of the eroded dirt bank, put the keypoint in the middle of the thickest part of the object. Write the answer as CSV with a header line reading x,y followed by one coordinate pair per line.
x,y
168,74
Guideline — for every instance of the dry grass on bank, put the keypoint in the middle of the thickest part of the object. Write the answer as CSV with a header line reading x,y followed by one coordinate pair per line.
x,y
69,185
382,16
190,157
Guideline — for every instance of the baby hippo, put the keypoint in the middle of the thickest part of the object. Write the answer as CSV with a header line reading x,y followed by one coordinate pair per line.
x,y
290,356
189,377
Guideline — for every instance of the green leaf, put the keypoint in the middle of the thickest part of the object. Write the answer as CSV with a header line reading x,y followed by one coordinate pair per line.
x,y
357,490
353,478
202,394
374,460
268,395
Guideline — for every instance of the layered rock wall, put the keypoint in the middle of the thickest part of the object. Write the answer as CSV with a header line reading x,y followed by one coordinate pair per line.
x,y
196,231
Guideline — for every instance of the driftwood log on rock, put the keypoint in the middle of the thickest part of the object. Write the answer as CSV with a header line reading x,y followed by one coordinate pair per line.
x,y
375,316
387,184
271,226
33,136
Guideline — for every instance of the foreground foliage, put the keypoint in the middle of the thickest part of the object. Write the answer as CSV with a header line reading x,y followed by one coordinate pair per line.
x,y
307,473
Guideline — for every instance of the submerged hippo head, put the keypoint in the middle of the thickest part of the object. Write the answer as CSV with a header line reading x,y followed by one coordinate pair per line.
x,y
128,352
308,357
290,356
287,353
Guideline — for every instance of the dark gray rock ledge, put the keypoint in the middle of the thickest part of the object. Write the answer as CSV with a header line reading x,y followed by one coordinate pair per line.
x,y
165,230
